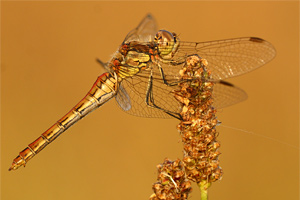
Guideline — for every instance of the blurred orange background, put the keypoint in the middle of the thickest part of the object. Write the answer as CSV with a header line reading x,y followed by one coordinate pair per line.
x,y
48,52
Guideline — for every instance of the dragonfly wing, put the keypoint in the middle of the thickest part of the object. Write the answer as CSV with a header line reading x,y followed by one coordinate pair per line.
x,y
163,96
123,98
230,57
225,94
144,32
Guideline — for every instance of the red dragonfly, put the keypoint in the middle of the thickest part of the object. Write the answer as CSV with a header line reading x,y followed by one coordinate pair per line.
x,y
144,72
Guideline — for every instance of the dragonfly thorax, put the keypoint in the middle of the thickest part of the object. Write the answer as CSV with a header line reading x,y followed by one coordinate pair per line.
x,y
131,58
134,56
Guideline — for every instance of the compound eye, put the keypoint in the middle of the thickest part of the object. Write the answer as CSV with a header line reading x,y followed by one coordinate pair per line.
x,y
165,41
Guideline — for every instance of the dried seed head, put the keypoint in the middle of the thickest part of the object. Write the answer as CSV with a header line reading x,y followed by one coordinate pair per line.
x,y
197,127
171,182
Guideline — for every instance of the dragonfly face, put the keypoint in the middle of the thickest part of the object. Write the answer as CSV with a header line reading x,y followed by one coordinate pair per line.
x,y
144,73
167,44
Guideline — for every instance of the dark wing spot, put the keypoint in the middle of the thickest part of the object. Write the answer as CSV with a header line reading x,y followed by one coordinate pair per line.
x,y
256,39
226,83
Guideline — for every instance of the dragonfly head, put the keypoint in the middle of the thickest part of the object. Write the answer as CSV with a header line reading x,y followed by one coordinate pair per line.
x,y
167,43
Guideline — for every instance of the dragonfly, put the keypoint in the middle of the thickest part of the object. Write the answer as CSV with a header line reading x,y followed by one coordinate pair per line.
x,y
144,72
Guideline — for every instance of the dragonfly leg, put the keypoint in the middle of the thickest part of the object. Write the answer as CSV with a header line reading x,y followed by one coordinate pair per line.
x,y
174,83
103,64
151,102
163,77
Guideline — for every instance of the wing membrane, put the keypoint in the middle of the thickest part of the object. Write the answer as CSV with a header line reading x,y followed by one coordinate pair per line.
x,y
144,32
230,57
137,88
224,94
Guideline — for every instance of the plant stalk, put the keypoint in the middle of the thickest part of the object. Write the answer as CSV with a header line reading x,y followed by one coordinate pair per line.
x,y
204,185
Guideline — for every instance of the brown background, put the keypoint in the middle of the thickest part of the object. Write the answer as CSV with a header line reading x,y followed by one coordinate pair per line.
x,y
48,65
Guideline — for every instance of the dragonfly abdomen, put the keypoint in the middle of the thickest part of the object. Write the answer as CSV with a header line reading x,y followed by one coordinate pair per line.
x,y
103,90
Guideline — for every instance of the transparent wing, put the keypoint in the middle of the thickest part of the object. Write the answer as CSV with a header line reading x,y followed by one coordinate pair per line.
x,y
224,94
230,57
123,98
144,32
137,87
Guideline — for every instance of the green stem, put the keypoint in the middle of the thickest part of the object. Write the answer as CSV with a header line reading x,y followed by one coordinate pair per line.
x,y
204,185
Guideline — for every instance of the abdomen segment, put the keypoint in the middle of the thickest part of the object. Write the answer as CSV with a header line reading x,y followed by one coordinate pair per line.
x,y
103,90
